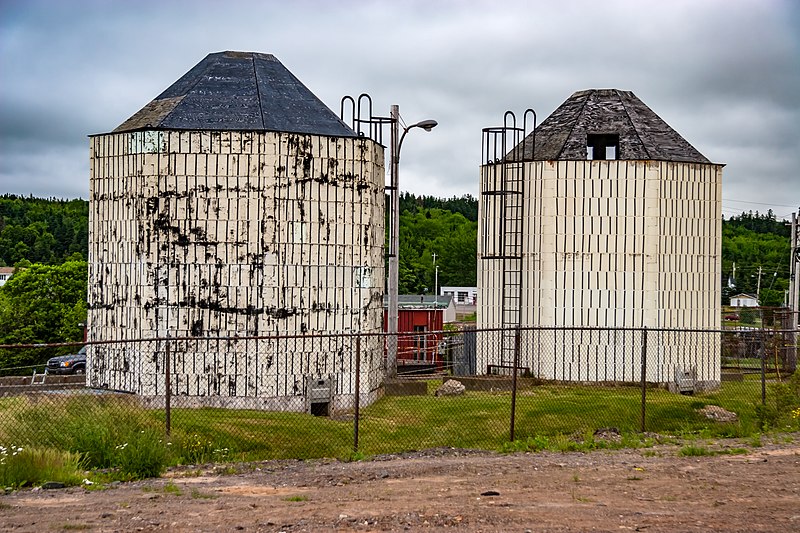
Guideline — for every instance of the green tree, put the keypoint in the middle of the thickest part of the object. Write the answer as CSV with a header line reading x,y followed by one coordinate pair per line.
x,y
42,304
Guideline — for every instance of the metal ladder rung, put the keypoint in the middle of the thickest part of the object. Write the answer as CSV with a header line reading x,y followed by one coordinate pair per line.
x,y
35,375
513,224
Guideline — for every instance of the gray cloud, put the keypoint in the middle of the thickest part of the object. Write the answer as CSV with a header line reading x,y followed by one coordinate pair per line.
x,y
726,75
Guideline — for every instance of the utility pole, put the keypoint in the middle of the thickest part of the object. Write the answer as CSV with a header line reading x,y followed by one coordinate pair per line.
x,y
436,282
792,297
758,287
436,289
794,256
774,277
393,281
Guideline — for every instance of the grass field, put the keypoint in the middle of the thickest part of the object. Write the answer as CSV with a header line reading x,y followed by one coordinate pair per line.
x,y
116,437
95,427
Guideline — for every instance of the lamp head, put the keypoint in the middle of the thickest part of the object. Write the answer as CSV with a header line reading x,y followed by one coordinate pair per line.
x,y
426,125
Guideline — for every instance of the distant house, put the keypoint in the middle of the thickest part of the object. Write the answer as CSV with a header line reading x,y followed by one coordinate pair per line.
x,y
420,320
461,295
744,300
5,274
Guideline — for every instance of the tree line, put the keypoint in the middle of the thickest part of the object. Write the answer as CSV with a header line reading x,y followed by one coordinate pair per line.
x,y
466,205
47,231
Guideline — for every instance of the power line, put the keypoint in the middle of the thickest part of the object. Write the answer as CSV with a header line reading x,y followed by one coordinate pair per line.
x,y
755,203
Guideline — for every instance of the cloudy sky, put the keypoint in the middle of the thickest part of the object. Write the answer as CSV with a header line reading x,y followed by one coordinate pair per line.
x,y
723,73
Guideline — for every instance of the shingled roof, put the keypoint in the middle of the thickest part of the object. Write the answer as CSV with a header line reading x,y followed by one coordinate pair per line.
x,y
239,91
643,135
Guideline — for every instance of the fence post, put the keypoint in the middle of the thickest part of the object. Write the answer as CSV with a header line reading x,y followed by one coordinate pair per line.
x,y
514,383
167,389
644,377
358,394
763,353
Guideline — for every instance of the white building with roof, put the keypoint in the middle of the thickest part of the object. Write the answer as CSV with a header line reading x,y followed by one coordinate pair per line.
x,y
744,300
5,274
602,216
236,204
461,295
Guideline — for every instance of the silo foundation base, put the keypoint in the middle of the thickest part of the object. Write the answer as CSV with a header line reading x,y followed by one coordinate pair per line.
x,y
340,403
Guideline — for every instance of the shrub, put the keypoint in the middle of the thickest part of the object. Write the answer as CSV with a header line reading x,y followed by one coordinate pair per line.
x,y
748,316
194,449
26,466
142,455
782,401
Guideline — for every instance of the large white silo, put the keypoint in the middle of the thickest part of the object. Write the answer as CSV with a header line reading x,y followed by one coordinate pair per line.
x,y
236,204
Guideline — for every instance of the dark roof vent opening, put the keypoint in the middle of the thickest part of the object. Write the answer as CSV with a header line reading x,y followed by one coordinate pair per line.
x,y
605,124
602,146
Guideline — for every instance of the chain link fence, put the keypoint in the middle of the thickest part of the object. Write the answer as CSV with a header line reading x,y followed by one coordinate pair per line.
x,y
329,396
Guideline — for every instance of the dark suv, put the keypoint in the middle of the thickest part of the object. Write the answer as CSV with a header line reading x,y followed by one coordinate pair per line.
x,y
68,364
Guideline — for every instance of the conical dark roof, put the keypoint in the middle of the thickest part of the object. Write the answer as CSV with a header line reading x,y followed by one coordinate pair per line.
x,y
239,91
643,135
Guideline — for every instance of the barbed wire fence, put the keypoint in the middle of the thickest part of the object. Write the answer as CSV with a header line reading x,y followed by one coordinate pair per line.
x,y
314,395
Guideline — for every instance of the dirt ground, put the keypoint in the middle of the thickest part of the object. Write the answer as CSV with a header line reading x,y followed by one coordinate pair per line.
x,y
651,490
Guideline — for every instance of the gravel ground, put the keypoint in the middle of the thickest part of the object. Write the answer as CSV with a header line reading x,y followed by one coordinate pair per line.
x,y
653,490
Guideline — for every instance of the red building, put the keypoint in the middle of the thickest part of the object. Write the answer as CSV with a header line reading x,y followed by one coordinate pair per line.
x,y
420,321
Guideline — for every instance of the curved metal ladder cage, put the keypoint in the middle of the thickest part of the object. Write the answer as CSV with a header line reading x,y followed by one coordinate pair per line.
x,y
505,151
361,118
366,124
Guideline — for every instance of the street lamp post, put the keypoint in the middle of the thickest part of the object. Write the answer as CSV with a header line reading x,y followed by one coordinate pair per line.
x,y
436,287
393,281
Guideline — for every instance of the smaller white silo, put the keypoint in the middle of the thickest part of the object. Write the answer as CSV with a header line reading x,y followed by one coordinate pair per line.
x,y
603,217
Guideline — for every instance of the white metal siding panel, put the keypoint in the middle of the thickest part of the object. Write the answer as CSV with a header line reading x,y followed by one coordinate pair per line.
x,y
225,233
616,244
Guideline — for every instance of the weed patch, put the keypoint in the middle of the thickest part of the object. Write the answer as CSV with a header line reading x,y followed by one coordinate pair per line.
x,y
172,488
694,451
782,407
28,466
734,451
